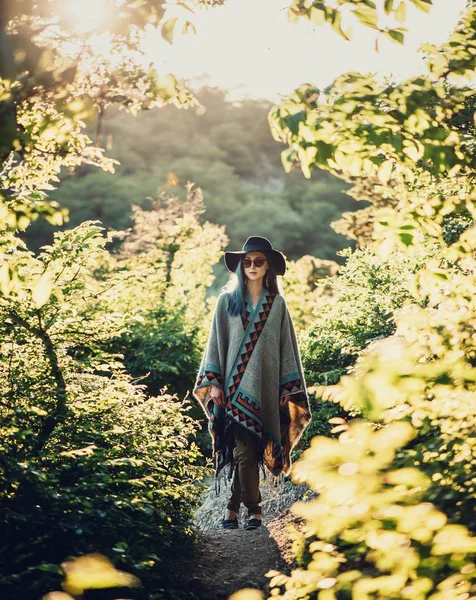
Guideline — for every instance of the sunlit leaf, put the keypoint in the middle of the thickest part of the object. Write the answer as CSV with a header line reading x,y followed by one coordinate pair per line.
x,y
172,179
292,17
247,594
183,5
189,27
167,86
367,16
57,596
385,171
401,12
318,15
167,30
287,159
94,571
413,149
409,477
41,292
424,5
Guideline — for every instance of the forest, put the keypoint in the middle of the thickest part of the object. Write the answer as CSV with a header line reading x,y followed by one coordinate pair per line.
x,y
228,152
121,188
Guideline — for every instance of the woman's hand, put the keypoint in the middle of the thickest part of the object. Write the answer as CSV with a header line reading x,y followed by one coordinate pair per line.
x,y
284,399
218,396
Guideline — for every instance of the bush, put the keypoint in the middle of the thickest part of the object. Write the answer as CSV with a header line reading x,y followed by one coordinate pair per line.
x,y
89,462
322,412
395,493
358,308
117,477
371,533
162,349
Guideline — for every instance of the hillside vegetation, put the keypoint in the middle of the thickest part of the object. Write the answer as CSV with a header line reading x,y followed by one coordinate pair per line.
x,y
225,149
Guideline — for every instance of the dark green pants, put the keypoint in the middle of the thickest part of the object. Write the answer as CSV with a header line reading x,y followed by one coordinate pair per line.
x,y
245,484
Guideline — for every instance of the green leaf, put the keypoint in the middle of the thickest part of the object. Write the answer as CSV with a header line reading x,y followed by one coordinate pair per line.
x,y
388,5
406,238
294,120
337,26
395,36
46,568
167,30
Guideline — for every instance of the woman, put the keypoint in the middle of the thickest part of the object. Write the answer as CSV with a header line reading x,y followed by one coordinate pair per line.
x,y
250,383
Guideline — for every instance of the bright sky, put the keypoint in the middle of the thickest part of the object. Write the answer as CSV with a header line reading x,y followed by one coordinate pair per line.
x,y
249,47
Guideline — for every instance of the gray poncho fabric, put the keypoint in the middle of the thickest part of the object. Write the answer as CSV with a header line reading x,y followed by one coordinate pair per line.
x,y
255,359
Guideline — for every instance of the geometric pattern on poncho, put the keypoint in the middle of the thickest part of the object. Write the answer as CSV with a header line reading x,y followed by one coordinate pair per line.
x,y
242,405
245,319
294,385
210,377
242,416
252,339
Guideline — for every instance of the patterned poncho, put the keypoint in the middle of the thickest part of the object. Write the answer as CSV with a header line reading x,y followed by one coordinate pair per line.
x,y
255,359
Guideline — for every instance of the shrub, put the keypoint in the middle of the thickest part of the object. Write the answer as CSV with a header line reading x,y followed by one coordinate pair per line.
x,y
358,309
89,462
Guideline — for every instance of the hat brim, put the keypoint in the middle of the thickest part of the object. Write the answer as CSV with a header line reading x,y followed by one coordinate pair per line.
x,y
232,260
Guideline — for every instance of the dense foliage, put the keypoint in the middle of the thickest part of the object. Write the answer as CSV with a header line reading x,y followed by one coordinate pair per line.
x,y
82,443
228,151
165,264
395,513
358,309
96,455
49,88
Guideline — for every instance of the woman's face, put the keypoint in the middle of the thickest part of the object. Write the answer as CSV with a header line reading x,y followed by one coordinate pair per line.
x,y
253,272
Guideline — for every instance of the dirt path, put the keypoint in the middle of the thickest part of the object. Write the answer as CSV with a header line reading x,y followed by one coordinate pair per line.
x,y
229,560
226,561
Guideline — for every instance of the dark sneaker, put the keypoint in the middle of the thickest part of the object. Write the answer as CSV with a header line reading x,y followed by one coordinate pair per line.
x,y
252,523
230,523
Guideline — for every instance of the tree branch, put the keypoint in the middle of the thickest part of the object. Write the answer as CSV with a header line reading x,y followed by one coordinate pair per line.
x,y
59,412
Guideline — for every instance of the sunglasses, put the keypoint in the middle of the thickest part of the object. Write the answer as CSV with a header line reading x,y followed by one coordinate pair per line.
x,y
258,262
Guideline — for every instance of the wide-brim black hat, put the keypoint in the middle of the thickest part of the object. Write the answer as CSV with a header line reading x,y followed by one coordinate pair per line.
x,y
255,244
